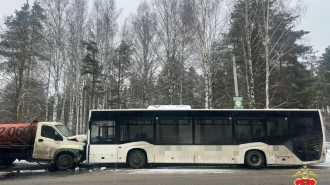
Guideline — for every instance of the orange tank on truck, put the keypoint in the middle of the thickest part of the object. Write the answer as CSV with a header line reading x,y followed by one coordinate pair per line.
x,y
18,133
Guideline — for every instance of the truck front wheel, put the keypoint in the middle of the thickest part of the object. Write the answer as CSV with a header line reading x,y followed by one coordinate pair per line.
x,y
64,162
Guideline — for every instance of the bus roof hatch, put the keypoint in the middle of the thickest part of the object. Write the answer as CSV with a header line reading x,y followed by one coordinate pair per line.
x,y
169,107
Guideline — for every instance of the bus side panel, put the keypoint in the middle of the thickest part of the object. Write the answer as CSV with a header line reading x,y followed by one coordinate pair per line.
x,y
103,154
243,148
174,153
124,149
204,154
275,154
280,154
225,154
208,154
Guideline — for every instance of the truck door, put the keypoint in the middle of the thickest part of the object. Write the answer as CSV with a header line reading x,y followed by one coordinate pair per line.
x,y
46,143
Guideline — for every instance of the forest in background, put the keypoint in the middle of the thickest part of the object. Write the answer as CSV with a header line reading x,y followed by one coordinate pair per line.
x,y
61,58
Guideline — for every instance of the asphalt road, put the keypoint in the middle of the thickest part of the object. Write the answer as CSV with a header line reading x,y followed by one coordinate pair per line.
x,y
204,175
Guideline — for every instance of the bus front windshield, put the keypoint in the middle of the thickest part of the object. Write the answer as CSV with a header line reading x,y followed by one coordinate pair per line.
x,y
64,130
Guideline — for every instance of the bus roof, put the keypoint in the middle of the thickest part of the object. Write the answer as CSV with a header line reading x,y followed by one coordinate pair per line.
x,y
204,109
169,107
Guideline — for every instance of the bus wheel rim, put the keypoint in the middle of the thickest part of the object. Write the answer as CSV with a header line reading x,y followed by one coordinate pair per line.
x,y
137,158
255,159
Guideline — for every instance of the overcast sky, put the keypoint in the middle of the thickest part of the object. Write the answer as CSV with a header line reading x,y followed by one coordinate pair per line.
x,y
316,19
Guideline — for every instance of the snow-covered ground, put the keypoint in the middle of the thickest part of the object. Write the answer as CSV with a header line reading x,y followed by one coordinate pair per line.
x,y
180,171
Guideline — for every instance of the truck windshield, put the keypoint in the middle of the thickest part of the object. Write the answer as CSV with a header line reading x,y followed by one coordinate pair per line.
x,y
64,130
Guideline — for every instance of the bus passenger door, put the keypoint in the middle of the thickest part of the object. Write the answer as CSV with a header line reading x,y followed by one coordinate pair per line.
x,y
278,137
103,143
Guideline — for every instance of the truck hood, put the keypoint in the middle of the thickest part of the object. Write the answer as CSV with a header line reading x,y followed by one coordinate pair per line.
x,y
80,138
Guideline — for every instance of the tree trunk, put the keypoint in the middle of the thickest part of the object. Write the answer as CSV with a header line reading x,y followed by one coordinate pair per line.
x,y
267,53
71,109
64,96
55,99
249,58
207,81
19,94
119,78
47,94
57,79
92,94
246,71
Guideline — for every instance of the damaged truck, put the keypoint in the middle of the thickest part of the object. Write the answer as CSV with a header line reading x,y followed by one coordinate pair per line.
x,y
48,142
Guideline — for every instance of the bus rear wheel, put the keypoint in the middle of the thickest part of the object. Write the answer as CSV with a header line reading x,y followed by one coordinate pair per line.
x,y
137,159
255,159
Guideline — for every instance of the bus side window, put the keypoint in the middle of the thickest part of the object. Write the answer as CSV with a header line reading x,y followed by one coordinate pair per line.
x,y
273,131
141,136
103,132
107,133
258,132
136,129
277,129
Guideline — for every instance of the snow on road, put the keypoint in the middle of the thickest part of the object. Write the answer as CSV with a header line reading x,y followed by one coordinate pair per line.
x,y
180,171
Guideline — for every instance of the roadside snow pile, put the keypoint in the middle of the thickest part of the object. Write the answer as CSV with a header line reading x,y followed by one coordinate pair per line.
x,y
29,171
179,171
24,162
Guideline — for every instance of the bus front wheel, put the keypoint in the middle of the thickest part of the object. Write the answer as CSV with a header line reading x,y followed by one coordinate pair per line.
x,y
137,159
255,159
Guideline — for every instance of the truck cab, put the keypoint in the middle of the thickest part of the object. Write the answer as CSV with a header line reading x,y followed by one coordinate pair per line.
x,y
55,143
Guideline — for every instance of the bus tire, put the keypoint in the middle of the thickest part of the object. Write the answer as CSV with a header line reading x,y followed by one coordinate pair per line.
x,y
255,159
137,159
64,162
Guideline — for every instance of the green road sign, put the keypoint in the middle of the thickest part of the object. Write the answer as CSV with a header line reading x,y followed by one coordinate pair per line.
x,y
238,102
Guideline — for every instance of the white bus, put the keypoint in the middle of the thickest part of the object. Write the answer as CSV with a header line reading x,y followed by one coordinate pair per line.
x,y
254,137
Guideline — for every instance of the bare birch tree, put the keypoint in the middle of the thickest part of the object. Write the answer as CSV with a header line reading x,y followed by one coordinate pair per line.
x,y
77,32
55,26
144,47
104,23
168,32
210,23
278,40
